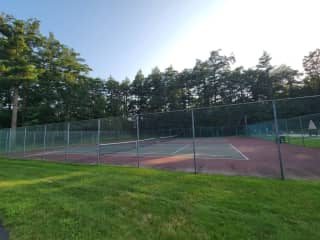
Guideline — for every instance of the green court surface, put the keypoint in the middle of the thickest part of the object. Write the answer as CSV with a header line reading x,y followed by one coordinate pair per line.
x,y
207,149
210,148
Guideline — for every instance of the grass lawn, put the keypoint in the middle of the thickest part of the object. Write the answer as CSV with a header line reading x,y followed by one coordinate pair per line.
x,y
42,200
313,142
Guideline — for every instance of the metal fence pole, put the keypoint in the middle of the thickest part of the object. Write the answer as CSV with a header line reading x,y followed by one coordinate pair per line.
x,y
246,124
7,143
67,143
194,143
10,141
138,140
278,139
2,145
98,141
287,130
301,129
44,141
24,142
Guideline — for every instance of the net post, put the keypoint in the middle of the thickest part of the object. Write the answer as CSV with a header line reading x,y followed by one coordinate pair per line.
x,y
194,143
277,139
138,139
301,129
98,141
24,141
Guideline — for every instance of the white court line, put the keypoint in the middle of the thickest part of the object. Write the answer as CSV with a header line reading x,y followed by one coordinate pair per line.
x,y
165,154
133,141
155,154
236,149
222,158
211,155
180,149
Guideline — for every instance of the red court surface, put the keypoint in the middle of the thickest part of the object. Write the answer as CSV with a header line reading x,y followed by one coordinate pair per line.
x,y
256,157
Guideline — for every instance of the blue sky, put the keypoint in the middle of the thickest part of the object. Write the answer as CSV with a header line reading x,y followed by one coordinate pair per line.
x,y
115,37
118,37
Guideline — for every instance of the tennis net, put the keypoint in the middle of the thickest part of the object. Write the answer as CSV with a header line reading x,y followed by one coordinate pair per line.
x,y
116,147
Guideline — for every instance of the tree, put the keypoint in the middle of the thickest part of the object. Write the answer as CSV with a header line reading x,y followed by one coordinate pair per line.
x,y
236,87
62,70
44,81
311,64
172,89
262,88
210,76
54,96
156,91
138,94
125,96
18,41
284,81
113,97
185,95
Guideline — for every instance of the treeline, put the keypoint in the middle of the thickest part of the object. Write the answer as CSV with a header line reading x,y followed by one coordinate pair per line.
x,y
44,81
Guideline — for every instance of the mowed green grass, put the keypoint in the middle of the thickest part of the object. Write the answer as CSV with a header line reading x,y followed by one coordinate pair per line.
x,y
42,200
313,142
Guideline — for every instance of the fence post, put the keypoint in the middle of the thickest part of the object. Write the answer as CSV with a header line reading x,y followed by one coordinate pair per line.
x,y
10,141
301,129
68,141
7,143
277,138
24,142
287,130
44,140
246,124
194,143
138,139
98,140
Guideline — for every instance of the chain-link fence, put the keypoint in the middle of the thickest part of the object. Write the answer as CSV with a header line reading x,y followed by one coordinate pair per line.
x,y
267,138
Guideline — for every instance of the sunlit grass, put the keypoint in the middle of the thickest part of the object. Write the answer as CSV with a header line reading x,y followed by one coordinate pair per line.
x,y
42,200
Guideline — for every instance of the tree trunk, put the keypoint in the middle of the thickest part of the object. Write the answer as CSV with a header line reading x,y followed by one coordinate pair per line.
x,y
14,115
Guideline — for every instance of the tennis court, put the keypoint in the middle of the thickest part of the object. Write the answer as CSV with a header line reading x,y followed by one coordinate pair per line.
x,y
235,155
213,148
240,139
224,155
168,146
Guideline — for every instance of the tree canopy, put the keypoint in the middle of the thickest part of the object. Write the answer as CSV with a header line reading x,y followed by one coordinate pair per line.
x,y
44,81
